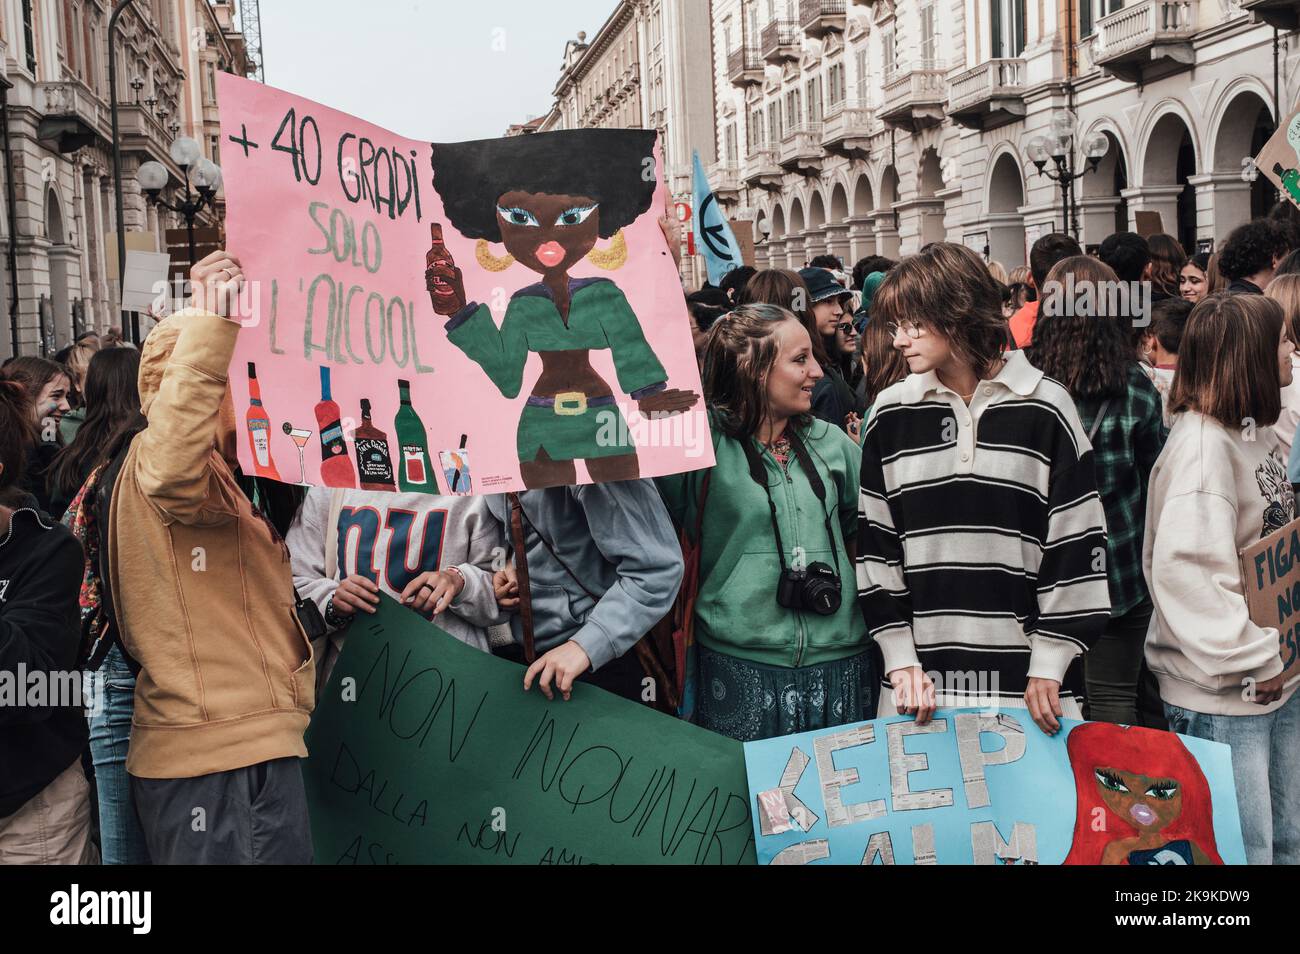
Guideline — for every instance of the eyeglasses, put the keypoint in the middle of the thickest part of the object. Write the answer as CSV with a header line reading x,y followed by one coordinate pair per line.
x,y
908,328
846,328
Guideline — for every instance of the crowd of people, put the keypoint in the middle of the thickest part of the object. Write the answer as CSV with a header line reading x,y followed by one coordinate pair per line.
x,y
926,470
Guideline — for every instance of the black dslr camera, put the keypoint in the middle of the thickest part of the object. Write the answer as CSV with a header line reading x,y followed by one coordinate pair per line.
x,y
816,589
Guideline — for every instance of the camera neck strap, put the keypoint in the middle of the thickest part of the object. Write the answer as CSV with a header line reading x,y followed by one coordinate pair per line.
x,y
758,472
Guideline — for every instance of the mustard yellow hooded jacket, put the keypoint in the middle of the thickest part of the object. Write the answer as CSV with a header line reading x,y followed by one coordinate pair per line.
x,y
202,585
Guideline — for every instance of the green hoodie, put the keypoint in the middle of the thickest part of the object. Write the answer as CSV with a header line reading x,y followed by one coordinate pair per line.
x,y
737,612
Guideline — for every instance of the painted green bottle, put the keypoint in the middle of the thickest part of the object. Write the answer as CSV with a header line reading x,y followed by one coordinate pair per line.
x,y
1290,181
414,470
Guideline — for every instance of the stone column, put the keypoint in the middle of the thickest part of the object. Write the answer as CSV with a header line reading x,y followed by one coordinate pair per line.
x,y
1222,203
1096,218
862,237
888,241
837,241
795,252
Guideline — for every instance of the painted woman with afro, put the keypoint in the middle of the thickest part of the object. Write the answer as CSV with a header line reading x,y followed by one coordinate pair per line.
x,y
531,195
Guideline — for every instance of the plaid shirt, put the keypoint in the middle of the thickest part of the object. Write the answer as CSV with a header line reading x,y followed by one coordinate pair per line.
x,y
1125,447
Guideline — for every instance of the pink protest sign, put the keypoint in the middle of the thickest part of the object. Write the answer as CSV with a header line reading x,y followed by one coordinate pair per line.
x,y
452,317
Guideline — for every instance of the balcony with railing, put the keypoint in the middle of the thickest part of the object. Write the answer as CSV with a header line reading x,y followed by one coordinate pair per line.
x,y
819,17
847,127
142,133
915,97
990,95
779,41
1150,39
72,116
762,168
1281,14
801,149
744,67
724,180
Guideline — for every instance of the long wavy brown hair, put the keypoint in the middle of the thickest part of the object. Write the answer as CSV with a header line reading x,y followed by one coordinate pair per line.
x,y
785,289
882,363
947,289
1167,260
1077,342
17,434
738,356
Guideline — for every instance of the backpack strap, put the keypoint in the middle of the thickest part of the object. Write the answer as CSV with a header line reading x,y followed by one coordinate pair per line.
x,y
521,574
103,510
1096,421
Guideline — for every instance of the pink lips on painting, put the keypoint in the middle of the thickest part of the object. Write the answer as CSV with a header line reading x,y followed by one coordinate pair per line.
x,y
550,254
1142,814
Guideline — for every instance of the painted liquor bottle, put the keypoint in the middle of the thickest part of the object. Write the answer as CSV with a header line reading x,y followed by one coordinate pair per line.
x,y
259,429
415,472
335,469
374,460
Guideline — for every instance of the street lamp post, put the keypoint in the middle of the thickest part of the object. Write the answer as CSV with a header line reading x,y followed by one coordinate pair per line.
x,y
187,154
1060,149
133,318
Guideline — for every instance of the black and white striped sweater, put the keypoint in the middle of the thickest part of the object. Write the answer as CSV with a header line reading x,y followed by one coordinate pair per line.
x,y
981,539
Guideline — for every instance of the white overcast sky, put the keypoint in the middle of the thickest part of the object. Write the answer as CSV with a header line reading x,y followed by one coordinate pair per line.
x,y
426,69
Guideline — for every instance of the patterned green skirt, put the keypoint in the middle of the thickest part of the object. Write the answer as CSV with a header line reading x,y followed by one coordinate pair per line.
x,y
749,701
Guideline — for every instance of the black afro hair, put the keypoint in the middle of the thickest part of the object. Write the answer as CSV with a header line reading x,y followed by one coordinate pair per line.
x,y
613,166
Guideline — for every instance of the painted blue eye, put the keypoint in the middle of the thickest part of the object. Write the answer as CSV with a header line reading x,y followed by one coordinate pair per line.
x,y
575,216
517,216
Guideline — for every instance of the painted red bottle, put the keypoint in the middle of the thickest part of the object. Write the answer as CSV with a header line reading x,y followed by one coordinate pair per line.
x,y
336,467
259,429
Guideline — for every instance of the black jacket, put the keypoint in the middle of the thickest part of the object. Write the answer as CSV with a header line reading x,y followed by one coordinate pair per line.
x,y
41,566
1239,286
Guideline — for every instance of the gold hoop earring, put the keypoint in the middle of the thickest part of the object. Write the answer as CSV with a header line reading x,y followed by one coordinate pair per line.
x,y
610,258
489,262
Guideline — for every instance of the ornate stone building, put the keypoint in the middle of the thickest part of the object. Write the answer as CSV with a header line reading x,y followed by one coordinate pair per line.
x,y
875,126
59,169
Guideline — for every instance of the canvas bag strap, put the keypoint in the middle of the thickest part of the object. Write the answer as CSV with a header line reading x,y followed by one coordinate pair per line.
x,y
1096,421
521,573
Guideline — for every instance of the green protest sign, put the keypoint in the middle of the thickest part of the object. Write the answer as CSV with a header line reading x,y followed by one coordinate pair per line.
x,y
424,750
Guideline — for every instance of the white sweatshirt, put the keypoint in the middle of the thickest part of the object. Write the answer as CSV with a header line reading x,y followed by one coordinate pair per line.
x,y
392,538
1214,491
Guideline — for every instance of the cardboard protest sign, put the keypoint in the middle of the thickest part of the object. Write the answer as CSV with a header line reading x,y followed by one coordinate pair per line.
x,y
1279,160
1148,223
1270,578
424,750
981,787
506,310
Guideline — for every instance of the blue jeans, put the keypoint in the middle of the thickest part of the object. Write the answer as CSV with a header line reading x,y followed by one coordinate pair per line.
x,y
121,839
1266,772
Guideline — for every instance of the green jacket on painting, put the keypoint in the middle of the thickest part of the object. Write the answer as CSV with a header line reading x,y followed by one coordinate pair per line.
x,y
599,317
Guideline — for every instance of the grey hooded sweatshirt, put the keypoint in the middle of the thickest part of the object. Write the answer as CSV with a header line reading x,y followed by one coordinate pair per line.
x,y
618,540
392,538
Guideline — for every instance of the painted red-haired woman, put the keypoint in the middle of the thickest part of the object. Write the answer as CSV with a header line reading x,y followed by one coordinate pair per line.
x,y
1150,794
